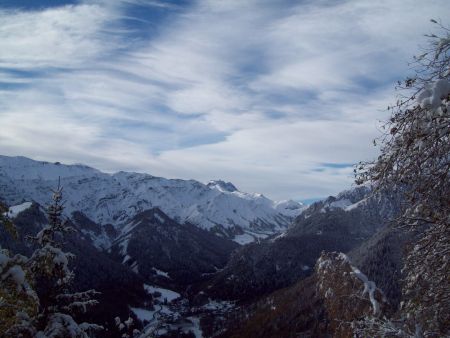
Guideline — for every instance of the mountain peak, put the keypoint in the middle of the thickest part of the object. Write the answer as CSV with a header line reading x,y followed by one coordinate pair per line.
x,y
116,198
222,185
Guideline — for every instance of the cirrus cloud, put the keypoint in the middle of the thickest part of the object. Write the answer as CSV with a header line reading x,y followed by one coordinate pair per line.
x,y
278,97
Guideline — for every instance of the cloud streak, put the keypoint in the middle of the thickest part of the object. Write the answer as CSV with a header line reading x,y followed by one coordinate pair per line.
x,y
260,93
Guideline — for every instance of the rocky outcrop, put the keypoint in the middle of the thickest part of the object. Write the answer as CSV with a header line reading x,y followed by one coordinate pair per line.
x,y
330,303
348,295
382,257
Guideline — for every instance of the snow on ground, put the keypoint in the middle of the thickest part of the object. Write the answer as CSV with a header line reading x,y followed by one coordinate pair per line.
x,y
152,316
283,234
249,237
195,328
243,239
101,241
165,293
123,245
369,286
340,204
218,305
143,314
135,267
355,205
161,273
128,227
159,218
126,259
182,318
17,209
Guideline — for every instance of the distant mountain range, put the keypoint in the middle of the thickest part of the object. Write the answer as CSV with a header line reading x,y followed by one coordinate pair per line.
x,y
116,198
225,254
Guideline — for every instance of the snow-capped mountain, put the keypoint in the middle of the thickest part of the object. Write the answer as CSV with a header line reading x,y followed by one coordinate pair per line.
x,y
116,198
338,223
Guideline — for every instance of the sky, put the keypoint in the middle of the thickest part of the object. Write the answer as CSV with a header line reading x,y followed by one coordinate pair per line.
x,y
278,97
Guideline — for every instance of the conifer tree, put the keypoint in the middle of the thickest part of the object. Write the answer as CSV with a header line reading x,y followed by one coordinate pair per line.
x,y
49,265
51,313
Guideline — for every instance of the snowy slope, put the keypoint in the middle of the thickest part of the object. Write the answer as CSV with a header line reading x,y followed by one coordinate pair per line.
x,y
116,198
17,209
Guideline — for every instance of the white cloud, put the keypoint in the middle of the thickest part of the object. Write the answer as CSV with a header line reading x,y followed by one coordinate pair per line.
x,y
58,37
278,155
247,91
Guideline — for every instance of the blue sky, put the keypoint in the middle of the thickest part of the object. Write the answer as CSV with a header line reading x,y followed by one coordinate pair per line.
x,y
279,97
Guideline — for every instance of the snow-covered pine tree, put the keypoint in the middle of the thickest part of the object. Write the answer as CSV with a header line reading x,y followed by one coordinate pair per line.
x,y
18,301
48,271
415,159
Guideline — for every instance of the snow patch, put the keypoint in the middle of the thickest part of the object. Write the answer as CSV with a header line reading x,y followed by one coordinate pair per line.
x,y
369,286
123,245
283,234
17,274
340,204
17,209
159,218
143,314
165,293
249,237
323,263
305,267
195,329
135,267
215,305
161,273
244,239
355,205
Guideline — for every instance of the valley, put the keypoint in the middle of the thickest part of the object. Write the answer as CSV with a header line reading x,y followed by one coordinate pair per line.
x,y
169,253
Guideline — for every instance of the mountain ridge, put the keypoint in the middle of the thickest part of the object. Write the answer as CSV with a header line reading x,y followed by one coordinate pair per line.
x,y
116,198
